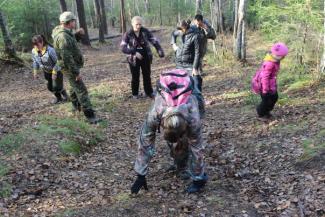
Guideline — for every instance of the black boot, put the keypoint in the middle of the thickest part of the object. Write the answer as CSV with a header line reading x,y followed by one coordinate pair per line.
x,y
57,99
91,116
197,186
65,96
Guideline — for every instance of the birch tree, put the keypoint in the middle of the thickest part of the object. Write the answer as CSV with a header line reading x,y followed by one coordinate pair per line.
x,y
239,34
9,48
198,6
322,68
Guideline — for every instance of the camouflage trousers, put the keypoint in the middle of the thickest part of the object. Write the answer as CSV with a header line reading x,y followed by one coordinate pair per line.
x,y
78,93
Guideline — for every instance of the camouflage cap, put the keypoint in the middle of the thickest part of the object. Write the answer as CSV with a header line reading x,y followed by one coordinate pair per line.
x,y
67,16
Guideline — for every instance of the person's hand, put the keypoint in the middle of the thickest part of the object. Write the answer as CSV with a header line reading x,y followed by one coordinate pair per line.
x,y
195,72
78,78
204,26
80,31
175,47
161,53
54,76
138,184
138,56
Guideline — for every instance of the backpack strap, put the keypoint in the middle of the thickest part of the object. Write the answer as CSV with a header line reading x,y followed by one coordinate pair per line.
x,y
161,87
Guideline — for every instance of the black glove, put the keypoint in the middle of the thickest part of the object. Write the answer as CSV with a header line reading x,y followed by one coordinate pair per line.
x,y
138,184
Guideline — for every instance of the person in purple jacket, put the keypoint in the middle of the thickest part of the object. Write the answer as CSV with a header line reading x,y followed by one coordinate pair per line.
x,y
136,44
264,81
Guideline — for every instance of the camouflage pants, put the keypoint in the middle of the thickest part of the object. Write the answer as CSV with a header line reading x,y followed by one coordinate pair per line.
x,y
78,93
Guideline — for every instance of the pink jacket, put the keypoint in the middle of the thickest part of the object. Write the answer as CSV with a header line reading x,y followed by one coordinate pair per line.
x,y
268,73
264,80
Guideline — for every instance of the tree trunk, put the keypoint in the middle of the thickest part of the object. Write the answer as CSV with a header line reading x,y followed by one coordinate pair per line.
x,y
235,17
240,31
146,6
322,68
160,14
219,23
91,14
63,6
9,48
122,18
99,21
103,15
82,21
198,6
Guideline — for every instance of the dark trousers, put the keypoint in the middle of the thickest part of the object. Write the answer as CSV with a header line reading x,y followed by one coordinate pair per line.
x,y
145,67
198,82
267,104
55,86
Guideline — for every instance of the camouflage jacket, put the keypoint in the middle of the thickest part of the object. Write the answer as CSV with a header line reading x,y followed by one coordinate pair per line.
x,y
147,138
69,55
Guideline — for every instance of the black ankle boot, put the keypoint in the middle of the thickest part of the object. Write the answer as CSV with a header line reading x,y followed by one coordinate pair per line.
x,y
91,116
57,99
65,96
198,185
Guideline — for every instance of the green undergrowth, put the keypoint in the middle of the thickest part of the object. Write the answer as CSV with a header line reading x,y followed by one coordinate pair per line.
x,y
103,98
77,134
67,135
74,135
313,146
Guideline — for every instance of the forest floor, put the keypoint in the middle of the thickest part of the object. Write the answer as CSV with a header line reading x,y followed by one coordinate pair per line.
x,y
54,164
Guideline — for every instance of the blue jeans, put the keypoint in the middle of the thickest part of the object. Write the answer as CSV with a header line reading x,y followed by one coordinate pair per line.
x,y
198,82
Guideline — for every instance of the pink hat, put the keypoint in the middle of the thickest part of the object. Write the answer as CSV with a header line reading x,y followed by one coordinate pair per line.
x,y
279,49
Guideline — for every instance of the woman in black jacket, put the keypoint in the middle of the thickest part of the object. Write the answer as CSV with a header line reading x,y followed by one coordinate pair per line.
x,y
135,43
188,54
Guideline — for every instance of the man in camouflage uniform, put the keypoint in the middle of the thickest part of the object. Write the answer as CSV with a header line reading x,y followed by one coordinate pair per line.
x,y
71,61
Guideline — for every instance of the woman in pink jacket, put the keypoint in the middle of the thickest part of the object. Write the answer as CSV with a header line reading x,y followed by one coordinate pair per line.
x,y
264,81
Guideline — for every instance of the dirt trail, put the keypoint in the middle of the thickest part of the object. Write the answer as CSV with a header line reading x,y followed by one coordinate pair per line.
x,y
251,165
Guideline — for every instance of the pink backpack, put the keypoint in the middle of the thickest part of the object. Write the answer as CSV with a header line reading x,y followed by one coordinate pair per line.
x,y
256,83
175,86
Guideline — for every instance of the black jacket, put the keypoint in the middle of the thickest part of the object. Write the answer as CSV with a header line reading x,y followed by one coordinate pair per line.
x,y
188,54
209,33
130,42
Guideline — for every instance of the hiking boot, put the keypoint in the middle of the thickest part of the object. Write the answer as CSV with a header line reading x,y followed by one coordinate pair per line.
x,y
135,96
93,120
58,98
91,116
264,118
65,96
197,185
